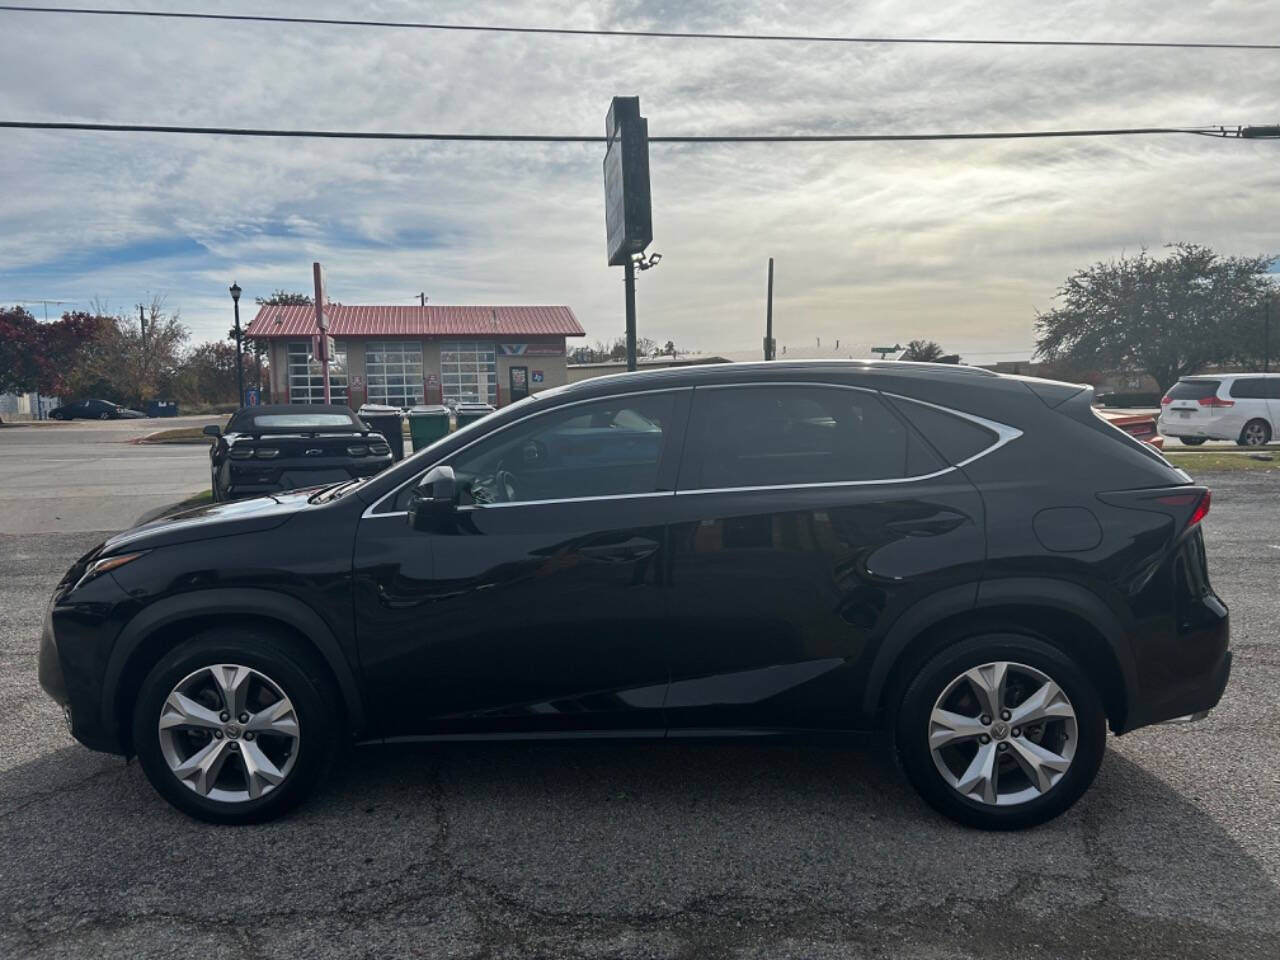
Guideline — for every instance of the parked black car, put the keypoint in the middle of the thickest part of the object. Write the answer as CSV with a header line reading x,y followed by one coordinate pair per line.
x,y
94,410
978,564
289,446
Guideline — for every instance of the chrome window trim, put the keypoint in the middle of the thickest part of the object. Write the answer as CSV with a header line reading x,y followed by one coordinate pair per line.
x,y
369,514
1004,433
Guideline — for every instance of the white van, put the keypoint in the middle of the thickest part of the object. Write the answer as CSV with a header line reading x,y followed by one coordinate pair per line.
x,y
1244,407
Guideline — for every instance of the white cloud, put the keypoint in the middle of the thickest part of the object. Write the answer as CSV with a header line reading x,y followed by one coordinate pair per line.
x,y
957,242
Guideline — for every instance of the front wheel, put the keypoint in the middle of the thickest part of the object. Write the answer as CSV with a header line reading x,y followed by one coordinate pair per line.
x,y
1192,441
236,725
1256,433
1001,731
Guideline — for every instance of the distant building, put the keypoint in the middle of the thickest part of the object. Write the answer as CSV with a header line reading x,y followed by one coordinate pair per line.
x,y
426,354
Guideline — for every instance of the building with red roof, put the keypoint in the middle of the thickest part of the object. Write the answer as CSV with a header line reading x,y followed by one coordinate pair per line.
x,y
401,355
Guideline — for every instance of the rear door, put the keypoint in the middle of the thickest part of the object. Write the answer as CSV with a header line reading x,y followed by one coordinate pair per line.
x,y
1193,403
808,517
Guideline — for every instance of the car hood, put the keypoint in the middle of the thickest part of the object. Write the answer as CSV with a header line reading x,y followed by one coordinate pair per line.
x,y
215,520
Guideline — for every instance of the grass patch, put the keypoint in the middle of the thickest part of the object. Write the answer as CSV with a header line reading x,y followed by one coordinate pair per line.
x,y
178,435
1195,463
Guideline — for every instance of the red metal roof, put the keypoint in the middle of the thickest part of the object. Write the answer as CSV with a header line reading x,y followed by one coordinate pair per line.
x,y
428,321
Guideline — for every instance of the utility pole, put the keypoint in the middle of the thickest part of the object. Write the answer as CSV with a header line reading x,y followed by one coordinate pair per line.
x,y
1266,336
629,283
142,319
422,299
770,350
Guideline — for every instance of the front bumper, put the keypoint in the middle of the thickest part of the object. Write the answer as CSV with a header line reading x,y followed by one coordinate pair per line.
x,y
75,640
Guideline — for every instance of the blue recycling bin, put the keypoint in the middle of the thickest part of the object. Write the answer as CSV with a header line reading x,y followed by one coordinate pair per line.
x,y
162,408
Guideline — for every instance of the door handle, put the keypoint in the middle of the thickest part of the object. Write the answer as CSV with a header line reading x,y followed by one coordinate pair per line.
x,y
628,551
933,526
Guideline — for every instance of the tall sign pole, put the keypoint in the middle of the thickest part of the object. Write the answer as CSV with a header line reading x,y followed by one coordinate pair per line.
x,y
628,212
770,350
322,325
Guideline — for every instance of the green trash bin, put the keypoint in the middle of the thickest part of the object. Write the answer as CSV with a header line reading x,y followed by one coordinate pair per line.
x,y
427,424
471,412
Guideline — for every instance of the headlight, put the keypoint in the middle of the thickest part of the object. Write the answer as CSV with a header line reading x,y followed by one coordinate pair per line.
x,y
357,450
107,564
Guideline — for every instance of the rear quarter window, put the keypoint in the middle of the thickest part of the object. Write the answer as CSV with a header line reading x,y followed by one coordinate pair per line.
x,y
1250,388
956,438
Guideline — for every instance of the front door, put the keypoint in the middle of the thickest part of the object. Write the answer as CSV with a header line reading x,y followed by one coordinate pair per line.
x,y
538,606
807,519
519,383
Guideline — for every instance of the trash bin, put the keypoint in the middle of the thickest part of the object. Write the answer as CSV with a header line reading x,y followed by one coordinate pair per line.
x,y
162,408
471,412
387,421
427,424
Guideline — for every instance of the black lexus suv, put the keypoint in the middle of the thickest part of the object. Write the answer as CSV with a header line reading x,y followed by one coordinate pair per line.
x,y
978,564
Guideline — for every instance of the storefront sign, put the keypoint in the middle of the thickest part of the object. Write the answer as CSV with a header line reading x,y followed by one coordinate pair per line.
x,y
531,349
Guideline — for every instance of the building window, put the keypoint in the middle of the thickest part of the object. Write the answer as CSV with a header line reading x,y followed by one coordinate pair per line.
x,y
306,378
393,371
468,372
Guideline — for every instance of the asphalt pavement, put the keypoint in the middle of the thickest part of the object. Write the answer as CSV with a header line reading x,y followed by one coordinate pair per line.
x,y
717,850
86,475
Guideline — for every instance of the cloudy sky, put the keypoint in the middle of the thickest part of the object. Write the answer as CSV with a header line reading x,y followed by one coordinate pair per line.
x,y
874,242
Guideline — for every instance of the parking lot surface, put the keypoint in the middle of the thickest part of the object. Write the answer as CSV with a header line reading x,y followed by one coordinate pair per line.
x,y
735,850
87,475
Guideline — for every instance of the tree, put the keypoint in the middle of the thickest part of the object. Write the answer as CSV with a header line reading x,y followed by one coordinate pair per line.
x,y
925,351
1166,317
283,298
208,374
48,357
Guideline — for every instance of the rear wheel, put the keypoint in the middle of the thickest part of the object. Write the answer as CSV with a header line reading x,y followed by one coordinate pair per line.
x,y
1001,731
1193,441
236,725
1256,433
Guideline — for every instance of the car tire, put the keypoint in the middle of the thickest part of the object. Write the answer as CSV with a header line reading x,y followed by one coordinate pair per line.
x,y
294,724
1009,796
1193,441
104,416
1256,433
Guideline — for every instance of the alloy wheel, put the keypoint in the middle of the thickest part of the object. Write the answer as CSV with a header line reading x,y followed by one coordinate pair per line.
x,y
229,733
1255,434
1002,733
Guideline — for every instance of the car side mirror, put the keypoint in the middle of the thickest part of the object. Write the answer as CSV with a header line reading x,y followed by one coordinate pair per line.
x,y
435,496
212,430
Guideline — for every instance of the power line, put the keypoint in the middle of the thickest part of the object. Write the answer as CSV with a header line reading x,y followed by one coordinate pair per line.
x,y
650,34
1210,131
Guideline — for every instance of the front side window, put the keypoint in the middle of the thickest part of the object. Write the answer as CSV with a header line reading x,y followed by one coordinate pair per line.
x,y
306,376
393,370
604,448
763,436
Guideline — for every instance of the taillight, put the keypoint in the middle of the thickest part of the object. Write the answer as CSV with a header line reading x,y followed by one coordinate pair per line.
x,y
266,453
241,453
1185,500
357,450
1166,400
1202,509
1216,402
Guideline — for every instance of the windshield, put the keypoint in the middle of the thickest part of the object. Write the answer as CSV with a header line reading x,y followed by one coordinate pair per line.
x,y
298,421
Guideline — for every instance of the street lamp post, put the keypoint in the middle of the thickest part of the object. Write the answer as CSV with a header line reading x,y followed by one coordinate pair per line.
x,y
235,299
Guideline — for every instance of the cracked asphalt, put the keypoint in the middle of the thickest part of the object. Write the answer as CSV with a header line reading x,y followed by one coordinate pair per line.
x,y
733,850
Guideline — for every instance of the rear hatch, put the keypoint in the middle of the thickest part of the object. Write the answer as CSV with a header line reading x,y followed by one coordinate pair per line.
x,y
1193,402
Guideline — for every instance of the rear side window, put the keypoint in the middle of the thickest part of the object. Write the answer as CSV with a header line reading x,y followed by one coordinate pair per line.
x,y
1194,389
1252,388
772,435
956,438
